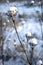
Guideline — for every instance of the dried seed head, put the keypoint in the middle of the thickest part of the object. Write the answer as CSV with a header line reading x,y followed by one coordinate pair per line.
x,y
13,11
34,41
39,62
28,35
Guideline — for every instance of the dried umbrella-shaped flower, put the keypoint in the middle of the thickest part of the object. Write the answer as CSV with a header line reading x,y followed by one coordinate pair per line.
x,y
13,11
33,42
28,36
39,62
32,2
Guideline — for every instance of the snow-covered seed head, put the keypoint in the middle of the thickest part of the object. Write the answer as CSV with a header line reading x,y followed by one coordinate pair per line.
x,y
13,11
15,42
28,35
32,2
33,42
4,24
39,62
39,3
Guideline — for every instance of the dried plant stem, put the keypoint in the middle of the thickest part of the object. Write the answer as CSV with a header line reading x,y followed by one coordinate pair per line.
x,y
20,41
1,37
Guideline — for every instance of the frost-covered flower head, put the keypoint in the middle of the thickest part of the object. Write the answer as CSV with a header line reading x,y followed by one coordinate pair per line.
x,y
13,11
39,62
32,1
28,35
33,42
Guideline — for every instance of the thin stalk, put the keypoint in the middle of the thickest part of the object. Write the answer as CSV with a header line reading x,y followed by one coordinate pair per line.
x,y
41,18
2,54
41,29
41,25
20,42
2,41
